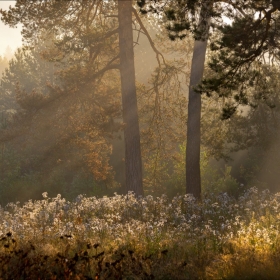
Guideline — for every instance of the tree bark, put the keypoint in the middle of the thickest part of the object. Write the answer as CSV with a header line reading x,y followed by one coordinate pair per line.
x,y
193,177
133,161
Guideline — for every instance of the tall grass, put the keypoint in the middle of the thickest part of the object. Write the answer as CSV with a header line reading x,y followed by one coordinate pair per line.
x,y
122,237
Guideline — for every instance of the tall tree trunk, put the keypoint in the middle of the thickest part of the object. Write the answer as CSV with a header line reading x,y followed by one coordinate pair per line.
x,y
193,178
133,161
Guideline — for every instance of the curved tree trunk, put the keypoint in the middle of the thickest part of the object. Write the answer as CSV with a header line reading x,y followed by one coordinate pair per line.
x,y
193,179
133,161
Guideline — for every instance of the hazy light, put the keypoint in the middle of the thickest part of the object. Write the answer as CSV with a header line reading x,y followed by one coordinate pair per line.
x,y
9,36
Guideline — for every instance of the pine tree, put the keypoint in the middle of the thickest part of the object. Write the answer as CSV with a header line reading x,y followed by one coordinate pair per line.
x,y
254,32
82,28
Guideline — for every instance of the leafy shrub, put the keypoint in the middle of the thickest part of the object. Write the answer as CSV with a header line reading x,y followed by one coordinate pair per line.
x,y
213,179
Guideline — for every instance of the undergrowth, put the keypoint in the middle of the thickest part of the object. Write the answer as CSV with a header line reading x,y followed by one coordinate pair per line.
x,y
124,237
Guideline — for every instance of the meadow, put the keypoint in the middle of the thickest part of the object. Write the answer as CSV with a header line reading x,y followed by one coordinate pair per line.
x,y
124,237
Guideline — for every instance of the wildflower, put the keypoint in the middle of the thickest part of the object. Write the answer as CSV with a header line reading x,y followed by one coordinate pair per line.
x,y
45,195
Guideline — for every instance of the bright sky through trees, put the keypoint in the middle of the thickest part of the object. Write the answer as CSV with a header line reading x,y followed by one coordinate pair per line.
x,y
9,36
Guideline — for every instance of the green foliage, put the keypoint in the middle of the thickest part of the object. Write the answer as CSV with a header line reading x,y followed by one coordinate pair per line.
x,y
19,180
220,183
178,16
218,180
238,49
239,59
214,180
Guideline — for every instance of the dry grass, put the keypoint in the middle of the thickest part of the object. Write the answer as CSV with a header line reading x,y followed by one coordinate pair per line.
x,y
127,238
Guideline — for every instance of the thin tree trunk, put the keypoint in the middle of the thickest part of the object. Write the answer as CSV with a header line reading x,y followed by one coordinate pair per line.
x,y
193,178
133,161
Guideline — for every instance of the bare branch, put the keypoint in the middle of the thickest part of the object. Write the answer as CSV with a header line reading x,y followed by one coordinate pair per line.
x,y
158,53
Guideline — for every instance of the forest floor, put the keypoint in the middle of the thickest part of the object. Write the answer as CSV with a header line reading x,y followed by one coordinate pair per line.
x,y
122,237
